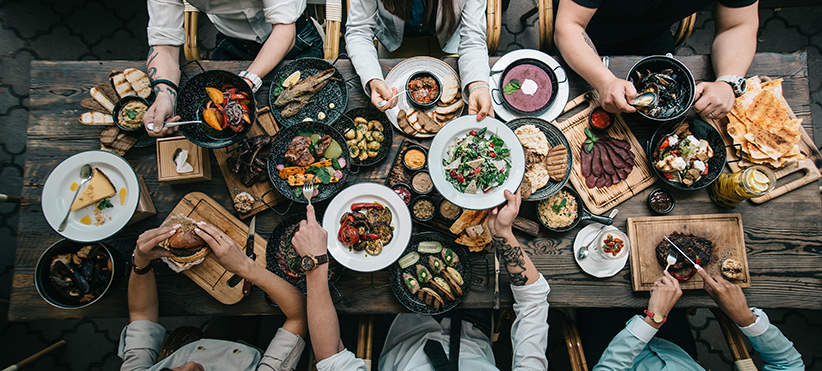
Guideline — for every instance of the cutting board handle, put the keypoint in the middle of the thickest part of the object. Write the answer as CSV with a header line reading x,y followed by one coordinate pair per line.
x,y
574,103
809,177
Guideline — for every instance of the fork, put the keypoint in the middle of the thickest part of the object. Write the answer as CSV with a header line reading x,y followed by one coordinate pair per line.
x,y
308,190
671,260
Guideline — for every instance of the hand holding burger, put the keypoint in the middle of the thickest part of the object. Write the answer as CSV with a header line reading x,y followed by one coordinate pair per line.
x,y
228,253
185,245
147,245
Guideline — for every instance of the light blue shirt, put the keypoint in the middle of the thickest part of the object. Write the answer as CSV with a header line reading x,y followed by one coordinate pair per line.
x,y
635,348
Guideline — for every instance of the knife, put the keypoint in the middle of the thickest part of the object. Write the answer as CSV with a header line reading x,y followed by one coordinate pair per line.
x,y
496,281
682,252
249,250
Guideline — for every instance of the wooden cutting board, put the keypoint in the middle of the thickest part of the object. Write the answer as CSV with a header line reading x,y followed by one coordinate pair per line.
x,y
724,230
600,200
807,166
209,274
265,124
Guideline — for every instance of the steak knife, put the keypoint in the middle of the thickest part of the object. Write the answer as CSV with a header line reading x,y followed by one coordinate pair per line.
x,y
496,281
681,252
249,250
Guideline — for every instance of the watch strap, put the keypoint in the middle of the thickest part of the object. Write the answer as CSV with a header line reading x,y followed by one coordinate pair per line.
x,y
737,83
652,315
256,81
140,271
322,259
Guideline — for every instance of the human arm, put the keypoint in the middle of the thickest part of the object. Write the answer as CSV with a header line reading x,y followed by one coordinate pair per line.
x,y
521,271
732,51
777,352
233,258
473,59
165,35
360,30
579,52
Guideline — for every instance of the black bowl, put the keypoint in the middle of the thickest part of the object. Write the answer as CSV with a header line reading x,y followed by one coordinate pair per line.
x,y
665,192
272,254
541,65
278,148
439,210
49,292
422,171
408,91
412,302
424,152
596,129
582,214
335,93
681,75
419,198
193,99
701,130
406,186
122,103
368,113
555,137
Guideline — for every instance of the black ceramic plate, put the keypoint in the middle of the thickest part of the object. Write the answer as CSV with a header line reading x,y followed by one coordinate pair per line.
x,y
273,253
192,100
334,93
368,113
555,137
412,302
701,130
278,148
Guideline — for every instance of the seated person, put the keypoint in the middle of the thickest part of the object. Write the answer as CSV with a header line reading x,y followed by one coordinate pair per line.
x,y
586,29
140,341
636,348
416,342
267,32
456,26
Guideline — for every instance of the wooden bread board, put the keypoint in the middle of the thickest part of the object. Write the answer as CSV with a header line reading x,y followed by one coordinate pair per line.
x,y
808,166
400,174
645,233
600,200
209,274
265,124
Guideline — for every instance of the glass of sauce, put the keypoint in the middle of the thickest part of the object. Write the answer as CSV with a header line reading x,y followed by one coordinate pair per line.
x,y
732,188
600,119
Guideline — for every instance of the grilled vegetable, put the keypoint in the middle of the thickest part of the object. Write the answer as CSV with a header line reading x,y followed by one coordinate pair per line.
x,y
300,179
411,283
455,275
429,247
409,259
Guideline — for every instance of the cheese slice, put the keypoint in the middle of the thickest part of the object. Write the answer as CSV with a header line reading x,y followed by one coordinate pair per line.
x,y
98,188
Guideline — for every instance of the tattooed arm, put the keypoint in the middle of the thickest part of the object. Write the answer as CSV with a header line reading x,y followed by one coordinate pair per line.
x,y
581,54
162,64
521,271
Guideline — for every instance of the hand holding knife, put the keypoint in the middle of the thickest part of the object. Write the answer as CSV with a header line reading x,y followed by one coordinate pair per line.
x,y
249,250
697,266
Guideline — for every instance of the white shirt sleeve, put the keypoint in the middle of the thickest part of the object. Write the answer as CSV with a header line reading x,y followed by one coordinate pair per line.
x,y
529,332
165,22
342,361
360,30
283,352
283,11
140,343
473,50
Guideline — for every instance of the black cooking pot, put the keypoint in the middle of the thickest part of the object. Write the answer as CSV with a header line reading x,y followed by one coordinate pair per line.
x,y
192,100
52,294
369,113
681,74
539,64
582,214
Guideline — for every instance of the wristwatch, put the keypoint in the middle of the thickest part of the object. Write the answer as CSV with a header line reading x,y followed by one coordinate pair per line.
x,y
656,317
256,81
738,83
309,262
140,271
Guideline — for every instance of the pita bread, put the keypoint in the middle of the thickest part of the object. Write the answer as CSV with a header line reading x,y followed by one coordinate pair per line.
x,y
467,219
557,161
450,89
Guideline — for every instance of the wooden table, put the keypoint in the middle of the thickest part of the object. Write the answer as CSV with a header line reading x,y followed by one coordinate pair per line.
x,y
783,236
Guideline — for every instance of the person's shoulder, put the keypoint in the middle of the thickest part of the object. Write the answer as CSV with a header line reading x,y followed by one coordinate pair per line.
x,y
591,4
737,3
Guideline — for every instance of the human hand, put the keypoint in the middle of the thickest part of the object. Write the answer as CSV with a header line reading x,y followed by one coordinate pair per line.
x,y
714,99
501,220
664,294
381,92
311,238
228,253
479,101
147,249
616,94
729,297
160,112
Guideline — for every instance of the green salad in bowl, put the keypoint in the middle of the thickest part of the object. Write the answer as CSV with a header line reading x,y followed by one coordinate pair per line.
x,y
477,162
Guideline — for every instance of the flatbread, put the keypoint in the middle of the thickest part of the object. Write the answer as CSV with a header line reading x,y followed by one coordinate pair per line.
x,y
467,219
557,161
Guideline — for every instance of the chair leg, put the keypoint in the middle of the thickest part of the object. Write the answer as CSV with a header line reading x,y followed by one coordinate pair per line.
x,y
735,340
546,25
523,18
573,343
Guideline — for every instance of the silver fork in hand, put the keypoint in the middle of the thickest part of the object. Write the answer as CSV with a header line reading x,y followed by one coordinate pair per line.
x,y
308,190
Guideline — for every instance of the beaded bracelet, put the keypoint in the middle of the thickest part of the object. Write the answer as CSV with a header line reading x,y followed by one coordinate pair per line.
x,y
475,88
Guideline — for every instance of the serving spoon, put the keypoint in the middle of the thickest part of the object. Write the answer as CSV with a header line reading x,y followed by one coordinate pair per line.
x,y
382,103
583,252
150,126
85,175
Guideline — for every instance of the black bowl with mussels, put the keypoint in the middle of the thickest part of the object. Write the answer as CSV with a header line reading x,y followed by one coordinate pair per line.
x,y
74,275
672,82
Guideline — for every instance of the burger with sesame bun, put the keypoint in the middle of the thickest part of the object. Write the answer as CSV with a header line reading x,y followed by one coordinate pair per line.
x,y
185,245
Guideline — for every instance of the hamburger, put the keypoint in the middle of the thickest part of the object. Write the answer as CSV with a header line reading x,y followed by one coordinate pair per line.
x,y
185,245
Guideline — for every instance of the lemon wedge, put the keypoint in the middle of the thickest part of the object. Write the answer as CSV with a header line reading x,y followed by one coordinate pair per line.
x,y
291,79
760,181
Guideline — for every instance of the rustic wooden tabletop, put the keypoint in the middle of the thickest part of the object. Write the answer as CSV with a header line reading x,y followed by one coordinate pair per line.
x,y
783,237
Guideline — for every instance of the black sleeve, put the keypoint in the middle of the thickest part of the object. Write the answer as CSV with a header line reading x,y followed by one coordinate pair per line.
x,y
591,4
732,3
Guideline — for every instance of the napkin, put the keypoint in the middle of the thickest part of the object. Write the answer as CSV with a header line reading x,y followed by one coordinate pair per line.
x,y
182,164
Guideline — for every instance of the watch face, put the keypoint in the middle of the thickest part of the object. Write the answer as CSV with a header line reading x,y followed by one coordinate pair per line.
x,y
307,263
658,318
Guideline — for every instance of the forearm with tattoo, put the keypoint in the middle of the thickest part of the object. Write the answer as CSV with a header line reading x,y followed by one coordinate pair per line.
x,y
589,42
518,265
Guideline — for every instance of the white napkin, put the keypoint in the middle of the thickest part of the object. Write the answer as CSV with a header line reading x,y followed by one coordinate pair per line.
x,y
179,267
182,164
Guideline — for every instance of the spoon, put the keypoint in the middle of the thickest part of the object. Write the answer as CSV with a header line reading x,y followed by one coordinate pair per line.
x,y
671,260
150,126
583,252
382,103
85,175
646,99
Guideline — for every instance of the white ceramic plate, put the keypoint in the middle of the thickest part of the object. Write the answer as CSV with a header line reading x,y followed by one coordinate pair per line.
x,y
57,196
458,128
496,76
597,268
400,220
399,75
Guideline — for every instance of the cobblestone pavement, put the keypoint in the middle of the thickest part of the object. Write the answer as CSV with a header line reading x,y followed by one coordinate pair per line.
x,y
101,30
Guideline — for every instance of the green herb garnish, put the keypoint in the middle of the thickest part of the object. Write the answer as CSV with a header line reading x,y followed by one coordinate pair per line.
x,y
131,113
512,86
105,204
278,88
558,207
589,143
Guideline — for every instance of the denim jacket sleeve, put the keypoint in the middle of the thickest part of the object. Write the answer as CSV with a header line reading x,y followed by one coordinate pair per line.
x,y
626,345
777,352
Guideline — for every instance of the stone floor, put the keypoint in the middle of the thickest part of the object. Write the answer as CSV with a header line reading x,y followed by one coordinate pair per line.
x,y
104,30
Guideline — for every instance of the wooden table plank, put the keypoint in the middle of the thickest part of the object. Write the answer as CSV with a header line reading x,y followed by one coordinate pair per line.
x,y
783,236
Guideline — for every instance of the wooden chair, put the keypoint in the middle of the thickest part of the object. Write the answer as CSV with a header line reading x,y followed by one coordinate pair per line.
x,y
493,15
684,30
365,338
327,12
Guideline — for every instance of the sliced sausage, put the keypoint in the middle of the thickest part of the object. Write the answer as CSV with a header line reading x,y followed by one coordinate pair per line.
x,y
586,160
621,143
615,158
607,164
591,181
596,165
623,173
600,182
615,178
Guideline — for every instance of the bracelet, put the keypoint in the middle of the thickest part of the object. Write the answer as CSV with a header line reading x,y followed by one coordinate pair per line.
x,y
475,88
167,82
140,271
256,82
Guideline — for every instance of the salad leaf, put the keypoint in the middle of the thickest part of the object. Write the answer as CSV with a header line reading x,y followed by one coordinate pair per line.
x,y
278,87
322,173
483,130
512,86
298,192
